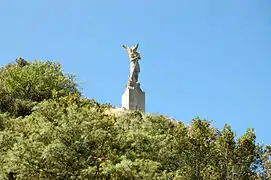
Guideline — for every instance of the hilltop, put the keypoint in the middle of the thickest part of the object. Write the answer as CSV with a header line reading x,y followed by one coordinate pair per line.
x,y
49,131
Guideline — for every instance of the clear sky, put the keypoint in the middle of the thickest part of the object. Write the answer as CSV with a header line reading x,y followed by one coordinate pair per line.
x,y
205,58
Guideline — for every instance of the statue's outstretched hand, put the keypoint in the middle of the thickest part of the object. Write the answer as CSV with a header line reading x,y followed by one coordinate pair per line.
x,y
125,47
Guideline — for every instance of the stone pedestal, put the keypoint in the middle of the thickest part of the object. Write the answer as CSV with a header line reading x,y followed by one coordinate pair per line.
x,y
133,98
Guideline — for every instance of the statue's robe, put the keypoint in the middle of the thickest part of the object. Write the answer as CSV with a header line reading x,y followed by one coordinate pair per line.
x,y
134,70
134,66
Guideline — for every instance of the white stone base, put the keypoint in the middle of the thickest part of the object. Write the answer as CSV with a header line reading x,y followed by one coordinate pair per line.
x,y
133,98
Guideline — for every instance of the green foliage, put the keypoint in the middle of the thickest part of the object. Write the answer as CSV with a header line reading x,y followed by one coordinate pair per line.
x,y
65,136
23,86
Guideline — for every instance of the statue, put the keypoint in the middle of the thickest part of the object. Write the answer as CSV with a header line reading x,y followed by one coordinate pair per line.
x,y
133,97
134,57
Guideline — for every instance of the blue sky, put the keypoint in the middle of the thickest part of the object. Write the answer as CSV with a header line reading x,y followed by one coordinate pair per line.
x,y
199,58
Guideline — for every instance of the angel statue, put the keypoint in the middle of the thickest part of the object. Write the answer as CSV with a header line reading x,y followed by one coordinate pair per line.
x,y
134,57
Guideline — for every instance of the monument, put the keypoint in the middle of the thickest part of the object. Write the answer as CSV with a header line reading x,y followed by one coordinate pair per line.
x,y
133,97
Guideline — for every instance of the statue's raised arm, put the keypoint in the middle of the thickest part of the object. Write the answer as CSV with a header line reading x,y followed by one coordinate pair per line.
x,y
125,47
136,46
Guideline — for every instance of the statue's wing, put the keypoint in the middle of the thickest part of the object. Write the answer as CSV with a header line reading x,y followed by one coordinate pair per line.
x,y
125,47
136,46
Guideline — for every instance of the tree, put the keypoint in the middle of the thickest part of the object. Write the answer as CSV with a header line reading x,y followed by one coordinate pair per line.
x,y
22,86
